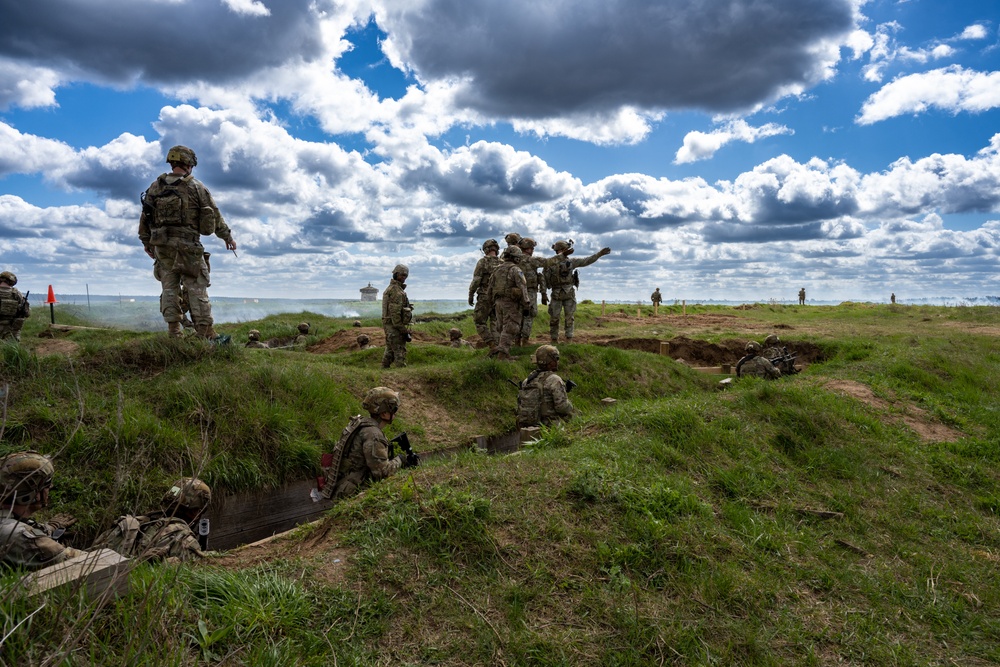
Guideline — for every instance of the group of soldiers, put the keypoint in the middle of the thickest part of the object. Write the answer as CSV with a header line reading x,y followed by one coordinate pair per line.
x,y
167,532
254,341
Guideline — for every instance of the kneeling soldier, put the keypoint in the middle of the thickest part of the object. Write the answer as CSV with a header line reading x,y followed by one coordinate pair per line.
x,y
543,398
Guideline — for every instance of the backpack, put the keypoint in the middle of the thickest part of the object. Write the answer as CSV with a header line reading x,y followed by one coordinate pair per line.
x,y
10,305
150,538
330,462
529,401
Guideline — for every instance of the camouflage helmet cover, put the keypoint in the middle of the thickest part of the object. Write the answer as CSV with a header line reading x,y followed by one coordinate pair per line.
x,y
513,238
753,346
379,400
182,154
357,323
303,327
8,278
561,246
401,268
454,333
546,354
363,339
189,493
772,339
512,253
23,475
253,334
491,244
527,243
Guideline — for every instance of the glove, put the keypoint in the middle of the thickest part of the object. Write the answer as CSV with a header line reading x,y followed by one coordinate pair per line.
x,y
61,521
470,301
605,251
407,337
411,461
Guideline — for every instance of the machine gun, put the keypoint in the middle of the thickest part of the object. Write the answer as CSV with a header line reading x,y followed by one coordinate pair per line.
x,y
783,360
411,459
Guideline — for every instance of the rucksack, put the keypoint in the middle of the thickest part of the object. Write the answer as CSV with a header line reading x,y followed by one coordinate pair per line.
x,y
529,401
10,305
330,462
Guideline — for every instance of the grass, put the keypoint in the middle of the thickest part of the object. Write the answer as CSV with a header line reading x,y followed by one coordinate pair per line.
x,y
777,523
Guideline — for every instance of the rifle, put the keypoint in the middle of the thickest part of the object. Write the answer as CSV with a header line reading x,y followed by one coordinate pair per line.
x,y
784,362
403,440
23,310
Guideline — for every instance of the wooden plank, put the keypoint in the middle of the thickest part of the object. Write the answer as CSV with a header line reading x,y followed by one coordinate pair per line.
x,y
248,517
102,572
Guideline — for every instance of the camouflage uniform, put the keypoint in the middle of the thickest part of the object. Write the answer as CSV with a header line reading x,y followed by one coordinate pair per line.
x,y
365,458
396,317
177,210
509,294
26,543
14,309
559,278
303,335
535,283
656,297
756,366
802,296
483,315
543,392
154,536
455,339
253,340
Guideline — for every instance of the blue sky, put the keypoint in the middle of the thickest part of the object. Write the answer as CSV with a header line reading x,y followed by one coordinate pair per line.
x,y
724,149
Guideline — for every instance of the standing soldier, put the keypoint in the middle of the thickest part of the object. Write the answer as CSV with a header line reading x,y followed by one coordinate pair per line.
x,y
509,295
14,308
177,210
397,313
542,398
802,296
892,298
561,277
656,297
483,316
362,455
535,283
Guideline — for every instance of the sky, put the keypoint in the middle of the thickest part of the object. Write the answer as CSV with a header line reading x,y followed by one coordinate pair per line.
x,y
723,149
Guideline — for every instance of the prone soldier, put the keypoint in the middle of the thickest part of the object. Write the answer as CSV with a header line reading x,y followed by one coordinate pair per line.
x,y
253,340
755,365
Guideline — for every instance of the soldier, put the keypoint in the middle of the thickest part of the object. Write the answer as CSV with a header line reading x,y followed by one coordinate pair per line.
x,y
509,294
397,313
802,296
542,398
14,308
303,335
25,481
561,277
455,338
253,340
778,355
361,455
363,341
656,297
167,533
535,282
483,315
892,298
176,211
754,365
357,324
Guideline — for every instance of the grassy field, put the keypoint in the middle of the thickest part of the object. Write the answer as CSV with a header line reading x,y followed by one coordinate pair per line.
x,y
844,515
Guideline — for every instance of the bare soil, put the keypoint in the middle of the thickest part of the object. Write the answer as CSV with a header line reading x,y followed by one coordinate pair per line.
x,y
915,418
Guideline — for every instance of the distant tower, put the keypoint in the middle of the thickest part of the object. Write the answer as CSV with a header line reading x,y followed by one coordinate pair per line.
x,y
369,293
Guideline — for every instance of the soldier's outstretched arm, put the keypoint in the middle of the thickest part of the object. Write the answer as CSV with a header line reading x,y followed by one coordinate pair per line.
x,y
587,261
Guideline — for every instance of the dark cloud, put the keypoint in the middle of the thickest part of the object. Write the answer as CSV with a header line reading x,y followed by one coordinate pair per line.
x,y
534,59
740,233
159,42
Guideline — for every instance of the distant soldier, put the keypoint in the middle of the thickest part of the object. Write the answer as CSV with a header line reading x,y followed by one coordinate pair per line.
x,y
656,297
509,294
561,277
363,342
397,313
483,315
455,338
535,283
303,334
802,296
357,324
25,482
14,308
512,239
177,210
361,455
892,298
253,340
754,365
542,398
166,533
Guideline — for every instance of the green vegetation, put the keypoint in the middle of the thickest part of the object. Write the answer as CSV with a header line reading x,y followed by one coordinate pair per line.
x,y
845,515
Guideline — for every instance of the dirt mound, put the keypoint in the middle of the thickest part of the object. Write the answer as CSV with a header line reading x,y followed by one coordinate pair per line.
x,y
913,417
346,340
56,346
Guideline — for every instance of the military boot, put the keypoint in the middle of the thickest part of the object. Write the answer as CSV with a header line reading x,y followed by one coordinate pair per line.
x,y
174,329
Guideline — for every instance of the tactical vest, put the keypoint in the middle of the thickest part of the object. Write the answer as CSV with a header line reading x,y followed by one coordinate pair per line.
x,y
10,305
331,463
171,206
490,265
529,399
155,536
503,285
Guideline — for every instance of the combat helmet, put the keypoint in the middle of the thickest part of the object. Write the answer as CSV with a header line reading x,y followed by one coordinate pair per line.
x,y
546,354
491,244
454,333
8,278
526,243
753,346
23,475
771,340
379,400
182,154
357,323
400,268
189,494
512,254
562,246
303,328
513,238
363,339
253,334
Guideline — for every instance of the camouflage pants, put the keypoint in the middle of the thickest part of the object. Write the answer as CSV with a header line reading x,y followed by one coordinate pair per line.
x,y
529,320
168,270
486,322
508,313
395,347
11,329
566,306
